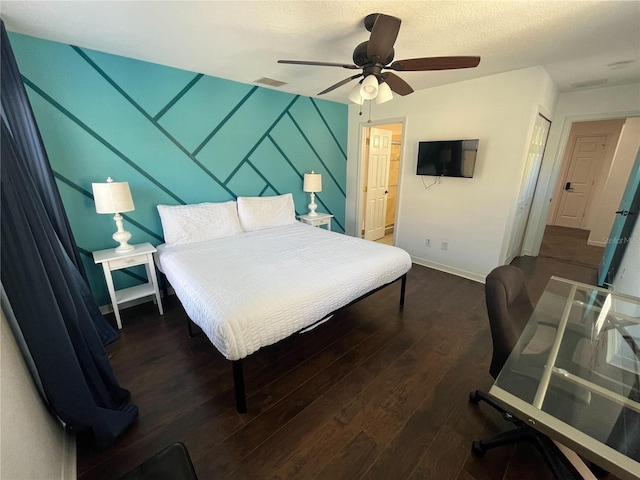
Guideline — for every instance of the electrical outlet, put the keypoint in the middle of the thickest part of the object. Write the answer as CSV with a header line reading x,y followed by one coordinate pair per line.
x,y
427,242
444,245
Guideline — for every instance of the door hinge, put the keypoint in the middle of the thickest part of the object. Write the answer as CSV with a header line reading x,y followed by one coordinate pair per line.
x,y
365,189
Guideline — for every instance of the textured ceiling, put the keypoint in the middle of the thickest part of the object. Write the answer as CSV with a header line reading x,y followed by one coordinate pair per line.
x,y
577,42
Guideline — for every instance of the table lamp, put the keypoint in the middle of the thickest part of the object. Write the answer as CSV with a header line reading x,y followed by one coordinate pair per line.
x,y
115,197
312,184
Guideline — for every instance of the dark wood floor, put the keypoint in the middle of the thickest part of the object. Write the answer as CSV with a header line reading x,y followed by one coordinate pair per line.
x,y
377,393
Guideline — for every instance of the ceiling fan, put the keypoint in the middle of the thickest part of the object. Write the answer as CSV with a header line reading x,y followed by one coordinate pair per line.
x,y
376,55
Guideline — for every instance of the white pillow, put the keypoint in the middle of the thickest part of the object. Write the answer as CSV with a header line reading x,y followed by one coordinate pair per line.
x,y
257,213
183,224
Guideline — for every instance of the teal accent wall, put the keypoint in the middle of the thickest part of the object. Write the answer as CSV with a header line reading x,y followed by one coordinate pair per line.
x,y
177,137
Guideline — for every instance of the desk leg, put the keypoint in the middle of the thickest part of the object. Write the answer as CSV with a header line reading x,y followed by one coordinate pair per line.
x,y
573,458
112,293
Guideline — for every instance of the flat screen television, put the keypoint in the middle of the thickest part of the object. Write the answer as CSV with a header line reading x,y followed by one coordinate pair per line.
x,y
447,158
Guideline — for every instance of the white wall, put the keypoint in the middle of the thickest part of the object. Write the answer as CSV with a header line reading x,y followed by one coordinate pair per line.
x,y
33,445
473,215
595,104
616,180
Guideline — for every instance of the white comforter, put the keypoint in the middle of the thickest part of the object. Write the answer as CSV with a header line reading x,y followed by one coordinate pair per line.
x,y
254,289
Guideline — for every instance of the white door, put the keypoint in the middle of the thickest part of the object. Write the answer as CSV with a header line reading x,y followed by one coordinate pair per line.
x,y
377,183
528,187
584,165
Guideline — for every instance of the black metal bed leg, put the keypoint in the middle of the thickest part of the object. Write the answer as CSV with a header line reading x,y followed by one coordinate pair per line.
x,y
238,383
402,289
189,328
164,282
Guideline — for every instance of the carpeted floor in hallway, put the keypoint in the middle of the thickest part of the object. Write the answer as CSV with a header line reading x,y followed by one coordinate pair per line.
x,y
570,245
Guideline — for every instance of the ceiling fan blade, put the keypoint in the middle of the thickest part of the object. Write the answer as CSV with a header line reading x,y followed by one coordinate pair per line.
x,y
434,63
339,84
397,84
383,36
319,64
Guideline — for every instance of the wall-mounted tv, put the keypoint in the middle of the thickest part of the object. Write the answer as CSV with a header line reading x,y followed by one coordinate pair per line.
x,y
447,158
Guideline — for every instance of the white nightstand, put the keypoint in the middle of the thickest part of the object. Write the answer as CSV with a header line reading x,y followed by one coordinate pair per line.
x,y
316,221
141,255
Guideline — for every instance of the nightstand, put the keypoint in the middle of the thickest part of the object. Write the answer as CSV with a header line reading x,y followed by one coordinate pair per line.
x,y
317,220
141,255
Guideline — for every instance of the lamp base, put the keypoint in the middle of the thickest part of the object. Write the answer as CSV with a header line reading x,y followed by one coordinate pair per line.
x,y
125,247
122,236
312,206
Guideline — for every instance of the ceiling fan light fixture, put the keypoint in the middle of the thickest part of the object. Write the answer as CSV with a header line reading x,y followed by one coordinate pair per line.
x,y
384,93
355,96
369,87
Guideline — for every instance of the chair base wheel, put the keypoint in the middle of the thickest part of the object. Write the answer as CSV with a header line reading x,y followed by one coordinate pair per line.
x,y
474,397
477,449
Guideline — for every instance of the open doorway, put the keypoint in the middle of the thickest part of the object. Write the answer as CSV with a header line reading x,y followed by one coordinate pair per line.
x,y
596,161
380,176
589,154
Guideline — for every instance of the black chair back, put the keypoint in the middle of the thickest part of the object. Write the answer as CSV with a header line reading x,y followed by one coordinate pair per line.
x,y
509,308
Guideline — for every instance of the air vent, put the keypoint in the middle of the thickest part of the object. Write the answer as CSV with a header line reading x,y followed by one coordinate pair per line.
x,y
620,65
589,84
270,81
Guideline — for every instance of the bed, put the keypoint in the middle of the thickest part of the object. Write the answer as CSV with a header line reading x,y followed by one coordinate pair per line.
x,y
264,276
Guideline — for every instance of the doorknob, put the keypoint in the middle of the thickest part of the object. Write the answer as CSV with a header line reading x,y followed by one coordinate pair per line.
x,y
568,186
386,191
624,213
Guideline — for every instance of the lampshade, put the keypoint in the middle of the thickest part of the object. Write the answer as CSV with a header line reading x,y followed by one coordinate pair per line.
x,y
312,182
355,96
384,93
369,87
112,197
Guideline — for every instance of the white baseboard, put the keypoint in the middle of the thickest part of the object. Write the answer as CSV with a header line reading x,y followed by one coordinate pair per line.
x,y
447,269
596,244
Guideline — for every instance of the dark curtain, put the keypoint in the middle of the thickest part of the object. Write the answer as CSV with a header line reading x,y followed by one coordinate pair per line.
x,y
44,281
20,120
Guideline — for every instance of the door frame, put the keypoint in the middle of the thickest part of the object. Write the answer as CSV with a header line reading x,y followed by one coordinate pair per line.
x,y
362,159
515,252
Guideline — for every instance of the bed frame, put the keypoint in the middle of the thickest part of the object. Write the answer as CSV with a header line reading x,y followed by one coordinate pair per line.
x,y
238,373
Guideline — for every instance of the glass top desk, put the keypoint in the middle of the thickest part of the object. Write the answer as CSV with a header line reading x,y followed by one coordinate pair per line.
x,y
574,374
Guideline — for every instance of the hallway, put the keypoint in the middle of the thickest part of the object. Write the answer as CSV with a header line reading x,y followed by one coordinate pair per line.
x,y
570,245
387,239
564,253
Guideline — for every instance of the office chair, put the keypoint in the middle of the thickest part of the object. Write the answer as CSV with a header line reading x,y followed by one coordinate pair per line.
x,y
509,309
